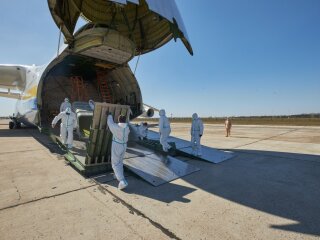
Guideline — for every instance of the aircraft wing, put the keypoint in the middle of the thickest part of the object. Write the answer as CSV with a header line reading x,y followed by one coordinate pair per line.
x,y
12,77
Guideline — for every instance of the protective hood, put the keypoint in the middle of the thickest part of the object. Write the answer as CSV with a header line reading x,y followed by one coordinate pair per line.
x,y
194,116
91,104
162,112
68,110
149,24
122,125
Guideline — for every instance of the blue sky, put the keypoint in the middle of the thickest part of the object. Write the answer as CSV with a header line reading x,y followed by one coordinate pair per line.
x,y
251,57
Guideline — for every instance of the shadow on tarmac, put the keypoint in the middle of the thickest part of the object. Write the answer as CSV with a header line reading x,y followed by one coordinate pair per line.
x,y
34,132
15,132
282,184
278,183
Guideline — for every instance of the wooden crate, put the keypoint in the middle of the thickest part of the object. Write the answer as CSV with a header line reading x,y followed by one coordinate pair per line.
x,y
100,139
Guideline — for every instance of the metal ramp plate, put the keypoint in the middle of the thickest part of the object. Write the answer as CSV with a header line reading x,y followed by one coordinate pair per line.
x,y
136,150
155,168
208,154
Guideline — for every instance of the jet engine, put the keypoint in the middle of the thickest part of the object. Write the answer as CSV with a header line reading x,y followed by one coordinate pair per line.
x,y
148,111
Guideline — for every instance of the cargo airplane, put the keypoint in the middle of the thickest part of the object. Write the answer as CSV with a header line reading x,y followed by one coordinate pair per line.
x,y
92,63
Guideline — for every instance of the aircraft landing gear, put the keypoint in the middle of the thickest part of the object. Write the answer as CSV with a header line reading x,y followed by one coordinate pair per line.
x,y
13,124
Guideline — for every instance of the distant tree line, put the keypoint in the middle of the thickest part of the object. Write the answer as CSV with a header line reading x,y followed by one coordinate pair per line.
x,y
292,120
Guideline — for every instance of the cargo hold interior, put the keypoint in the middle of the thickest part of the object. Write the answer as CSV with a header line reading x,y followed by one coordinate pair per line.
x,y
82,78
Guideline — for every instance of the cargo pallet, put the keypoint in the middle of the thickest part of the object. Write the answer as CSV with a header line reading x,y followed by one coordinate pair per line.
x,y
96,157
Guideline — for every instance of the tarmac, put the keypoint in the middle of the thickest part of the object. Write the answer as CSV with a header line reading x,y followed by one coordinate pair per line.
x,y
270,189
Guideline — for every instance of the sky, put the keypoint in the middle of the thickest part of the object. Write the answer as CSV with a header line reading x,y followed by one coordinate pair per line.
x,y
251,57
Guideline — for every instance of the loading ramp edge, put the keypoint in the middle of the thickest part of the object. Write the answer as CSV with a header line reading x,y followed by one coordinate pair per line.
x,y
155,166
156,145
85,170
155,180
183,148
68,155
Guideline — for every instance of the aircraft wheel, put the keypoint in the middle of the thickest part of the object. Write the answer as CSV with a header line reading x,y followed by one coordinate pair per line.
x,y
11,125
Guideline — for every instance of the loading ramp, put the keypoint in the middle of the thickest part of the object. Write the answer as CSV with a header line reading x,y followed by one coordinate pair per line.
x,y
91,154
184,148
155,167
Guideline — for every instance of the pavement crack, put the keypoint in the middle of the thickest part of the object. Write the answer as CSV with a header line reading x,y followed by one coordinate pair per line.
x,y
15,186
296,129
15,152
120,218
47,197
134,210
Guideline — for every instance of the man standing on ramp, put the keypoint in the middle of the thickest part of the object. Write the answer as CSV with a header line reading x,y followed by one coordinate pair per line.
x,y
120,134
164,130
196,134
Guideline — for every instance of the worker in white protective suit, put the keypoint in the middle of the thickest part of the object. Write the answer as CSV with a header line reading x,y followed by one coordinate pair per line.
x,y
68,123
91,104
120,132
65,104
143,130
196,134
164,130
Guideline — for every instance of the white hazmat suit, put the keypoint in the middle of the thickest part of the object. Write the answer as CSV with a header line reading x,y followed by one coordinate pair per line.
x,y
143,131
196,134
64,105
164,130
68,123
120,134
91,104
